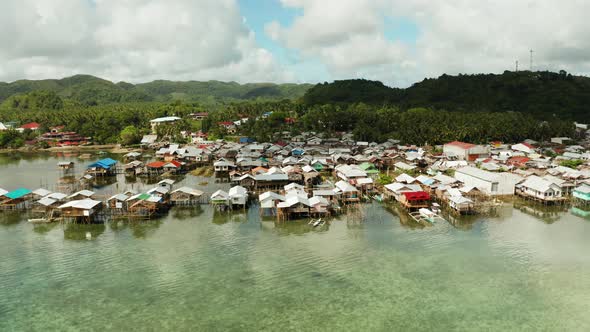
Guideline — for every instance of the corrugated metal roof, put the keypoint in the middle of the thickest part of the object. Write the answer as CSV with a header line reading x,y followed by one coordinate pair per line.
x,y
20,192
103,163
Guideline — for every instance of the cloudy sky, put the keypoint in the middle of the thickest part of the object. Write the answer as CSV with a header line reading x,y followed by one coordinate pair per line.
x,y
396,41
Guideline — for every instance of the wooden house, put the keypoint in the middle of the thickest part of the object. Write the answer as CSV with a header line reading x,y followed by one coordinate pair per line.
x,y
223,166
539,189
415,200
132,156
220,199
581,194
16,200
82,194
269,202
155,168
238,195
348,193
117,202
65,165
37,194
166,183
103,167
146,207
395,190
185,196
133,168
293,206
319,205
460,204
46,205
84,211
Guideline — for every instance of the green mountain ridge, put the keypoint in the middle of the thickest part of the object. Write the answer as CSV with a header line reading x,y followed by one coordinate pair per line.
x,y
90,90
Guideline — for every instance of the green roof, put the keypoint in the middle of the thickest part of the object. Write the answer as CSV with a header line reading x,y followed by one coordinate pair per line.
x,y
365,166
143,197
18,193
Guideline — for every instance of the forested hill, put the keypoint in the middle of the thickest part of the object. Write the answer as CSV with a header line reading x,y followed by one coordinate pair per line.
x,y
89,90
541,94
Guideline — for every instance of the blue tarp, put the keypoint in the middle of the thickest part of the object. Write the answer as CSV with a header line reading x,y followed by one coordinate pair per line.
x,y
103,163
20,192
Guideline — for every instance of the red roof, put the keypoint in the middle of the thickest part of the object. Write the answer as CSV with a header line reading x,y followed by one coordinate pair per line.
x,y
226,123
462,145
156,164
417,196
32,125
175,163
518,160
528,145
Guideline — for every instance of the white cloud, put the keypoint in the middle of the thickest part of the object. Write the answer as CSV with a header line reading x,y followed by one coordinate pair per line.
x,y
139,40
454,36
132,40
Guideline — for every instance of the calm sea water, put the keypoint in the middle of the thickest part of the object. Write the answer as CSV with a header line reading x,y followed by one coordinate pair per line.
x,y
525,269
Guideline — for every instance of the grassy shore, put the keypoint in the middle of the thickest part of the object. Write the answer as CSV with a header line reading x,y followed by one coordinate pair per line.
x,y
206,171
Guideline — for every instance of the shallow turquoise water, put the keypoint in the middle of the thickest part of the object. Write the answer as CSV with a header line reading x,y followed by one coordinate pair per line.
x,y
198,270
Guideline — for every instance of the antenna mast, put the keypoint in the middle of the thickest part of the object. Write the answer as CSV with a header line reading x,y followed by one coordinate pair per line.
x,y
531,60
517,66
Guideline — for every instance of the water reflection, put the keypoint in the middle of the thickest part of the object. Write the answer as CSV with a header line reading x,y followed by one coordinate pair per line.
x,y
44,228
580,212
547,214
9,218
184,213
77,232
144,229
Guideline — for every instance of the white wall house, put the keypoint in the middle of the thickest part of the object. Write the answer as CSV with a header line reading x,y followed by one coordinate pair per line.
x,y
523,147
465,151
490,183
540,188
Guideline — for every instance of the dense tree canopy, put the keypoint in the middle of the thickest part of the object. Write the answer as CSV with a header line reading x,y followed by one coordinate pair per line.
x,y
541,94
476,108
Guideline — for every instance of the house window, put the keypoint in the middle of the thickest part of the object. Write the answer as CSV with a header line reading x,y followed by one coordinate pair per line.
x,y
494,187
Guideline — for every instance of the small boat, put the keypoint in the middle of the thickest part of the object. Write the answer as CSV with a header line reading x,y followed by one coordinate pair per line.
x,y
427,214
378,198
88,236
39,220
435,208
317,223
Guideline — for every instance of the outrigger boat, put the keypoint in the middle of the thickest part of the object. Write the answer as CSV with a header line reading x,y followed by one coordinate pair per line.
x,y
435,208
378,198
316,223
39,221
426,215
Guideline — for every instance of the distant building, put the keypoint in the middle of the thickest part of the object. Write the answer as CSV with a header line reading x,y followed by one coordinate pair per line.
x,y
490,183
200,116
31,126
465,151
560,140
168,119
523,147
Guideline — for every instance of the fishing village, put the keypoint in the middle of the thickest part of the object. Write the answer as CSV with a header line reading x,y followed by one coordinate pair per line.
x,y
308,177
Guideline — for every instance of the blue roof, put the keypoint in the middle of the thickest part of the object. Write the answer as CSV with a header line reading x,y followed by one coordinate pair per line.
x,y
20,192
103,163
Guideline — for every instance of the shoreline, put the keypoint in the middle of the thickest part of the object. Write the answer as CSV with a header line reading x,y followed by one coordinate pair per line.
x,y
111,148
